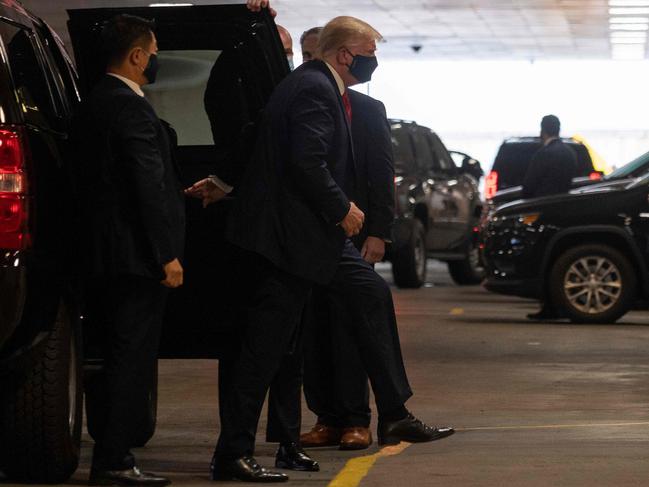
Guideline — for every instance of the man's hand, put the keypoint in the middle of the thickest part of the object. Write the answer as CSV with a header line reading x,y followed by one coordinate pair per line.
x,y
174,274
257,5
206,190
373,250
353,222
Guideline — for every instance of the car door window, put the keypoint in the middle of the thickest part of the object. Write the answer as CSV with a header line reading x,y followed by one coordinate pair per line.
x,y
404,158
426,158
65,71
29,74
446,164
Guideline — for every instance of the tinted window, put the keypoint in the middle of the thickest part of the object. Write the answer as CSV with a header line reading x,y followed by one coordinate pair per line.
x,y
29,76
445,162
178,95
67,76
404,158
512,162
426,159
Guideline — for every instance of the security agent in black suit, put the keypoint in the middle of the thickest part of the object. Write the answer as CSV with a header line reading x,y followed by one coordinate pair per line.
x,y
553,166
550,172
133,213
292,212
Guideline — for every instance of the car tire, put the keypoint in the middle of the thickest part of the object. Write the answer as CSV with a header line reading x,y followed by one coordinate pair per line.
x,y
409,262
96,411
468,271
593,284
41,412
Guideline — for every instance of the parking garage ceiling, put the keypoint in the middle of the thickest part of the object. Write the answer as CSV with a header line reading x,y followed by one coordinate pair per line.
x,y
458,29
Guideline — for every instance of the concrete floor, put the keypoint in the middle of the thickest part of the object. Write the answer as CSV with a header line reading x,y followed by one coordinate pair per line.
x,y
534,404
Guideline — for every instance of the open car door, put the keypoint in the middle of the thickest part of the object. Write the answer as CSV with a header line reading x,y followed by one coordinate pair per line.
x,y
202,49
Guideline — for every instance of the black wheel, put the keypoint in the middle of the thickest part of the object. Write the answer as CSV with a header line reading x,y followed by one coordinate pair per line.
x,y
41,413
409,262
96,401
593,284
469,270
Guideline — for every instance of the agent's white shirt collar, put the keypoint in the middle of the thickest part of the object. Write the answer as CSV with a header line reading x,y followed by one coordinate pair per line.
x,y
131,84
339,80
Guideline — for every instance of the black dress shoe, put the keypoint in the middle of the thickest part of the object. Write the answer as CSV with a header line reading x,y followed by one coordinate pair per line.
x,y
409,429
132,476
292,457
245,469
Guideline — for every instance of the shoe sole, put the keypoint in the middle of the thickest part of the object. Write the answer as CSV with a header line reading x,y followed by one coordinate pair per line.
x,y
391,440
231,478
286,466
354,447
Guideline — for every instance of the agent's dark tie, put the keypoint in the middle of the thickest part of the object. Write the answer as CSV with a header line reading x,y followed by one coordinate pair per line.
x,y
348,106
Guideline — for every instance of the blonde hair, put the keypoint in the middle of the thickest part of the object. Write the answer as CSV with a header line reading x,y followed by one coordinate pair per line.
x,y
345,31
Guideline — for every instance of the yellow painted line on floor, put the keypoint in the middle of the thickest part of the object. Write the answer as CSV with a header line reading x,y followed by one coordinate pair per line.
x,y
357,468
552,426
456,311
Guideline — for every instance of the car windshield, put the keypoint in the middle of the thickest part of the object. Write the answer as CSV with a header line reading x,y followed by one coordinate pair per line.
x,y
633,169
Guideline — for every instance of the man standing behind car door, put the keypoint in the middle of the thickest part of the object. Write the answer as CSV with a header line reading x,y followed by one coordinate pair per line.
x,y
133,213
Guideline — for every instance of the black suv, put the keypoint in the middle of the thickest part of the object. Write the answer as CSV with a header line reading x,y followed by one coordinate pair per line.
x,y
438,208
44,342
504,181
586,252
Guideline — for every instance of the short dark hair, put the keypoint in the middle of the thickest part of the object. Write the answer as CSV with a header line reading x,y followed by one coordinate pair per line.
x,y
311,31
123,32
550,125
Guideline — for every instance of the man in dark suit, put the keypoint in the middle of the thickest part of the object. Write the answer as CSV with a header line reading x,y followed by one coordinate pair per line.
x,y
550,172
293,215
553,166
133,212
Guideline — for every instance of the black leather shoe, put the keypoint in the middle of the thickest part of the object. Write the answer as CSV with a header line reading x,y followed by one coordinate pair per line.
x,y
132,476
409,429
292,457
245,469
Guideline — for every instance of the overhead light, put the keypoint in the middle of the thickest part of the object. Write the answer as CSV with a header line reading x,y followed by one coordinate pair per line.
x,y
627,41
629,11
628,53
629,20
628,35
171,4
631,27
628,3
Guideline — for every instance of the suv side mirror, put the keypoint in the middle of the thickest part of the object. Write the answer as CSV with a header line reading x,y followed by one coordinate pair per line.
x,y
472,167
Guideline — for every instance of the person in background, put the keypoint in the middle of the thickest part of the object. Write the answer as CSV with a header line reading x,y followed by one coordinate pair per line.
x,y
335,382
133,218
294,217
550,172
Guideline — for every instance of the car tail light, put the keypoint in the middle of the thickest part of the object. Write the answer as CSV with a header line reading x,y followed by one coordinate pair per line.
x,y
13,201
491,185
595,176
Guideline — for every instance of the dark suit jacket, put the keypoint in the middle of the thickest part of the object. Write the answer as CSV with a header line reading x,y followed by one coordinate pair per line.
x,y
131,198
374,192
551,170
292,197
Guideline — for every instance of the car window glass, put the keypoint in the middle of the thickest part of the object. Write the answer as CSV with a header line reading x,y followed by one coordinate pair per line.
x,y
28,74
444,159
404,159
63,62
178,95
426,158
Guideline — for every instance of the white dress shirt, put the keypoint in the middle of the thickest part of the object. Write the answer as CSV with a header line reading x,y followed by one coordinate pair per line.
x,y
130,83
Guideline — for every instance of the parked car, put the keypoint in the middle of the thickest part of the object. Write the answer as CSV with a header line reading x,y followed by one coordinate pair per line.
x,y
586,252
438,208
504,181
44,343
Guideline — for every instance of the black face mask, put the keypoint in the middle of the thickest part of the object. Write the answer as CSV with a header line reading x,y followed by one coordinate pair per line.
x,y
362,67
151,70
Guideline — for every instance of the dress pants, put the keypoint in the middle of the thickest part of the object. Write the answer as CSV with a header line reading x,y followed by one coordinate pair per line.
x,y
129,312
273,320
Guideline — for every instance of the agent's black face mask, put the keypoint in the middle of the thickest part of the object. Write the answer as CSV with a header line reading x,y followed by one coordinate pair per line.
x,y
362,67
151,70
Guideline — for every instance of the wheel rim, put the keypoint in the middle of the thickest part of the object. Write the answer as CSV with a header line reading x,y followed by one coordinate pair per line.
x,y
420,259
593,284
72,387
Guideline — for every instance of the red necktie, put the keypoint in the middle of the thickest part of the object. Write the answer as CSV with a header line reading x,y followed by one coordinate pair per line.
x,y
348,106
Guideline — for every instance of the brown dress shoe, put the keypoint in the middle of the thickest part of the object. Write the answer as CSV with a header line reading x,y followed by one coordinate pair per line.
x,y
356,438
321,435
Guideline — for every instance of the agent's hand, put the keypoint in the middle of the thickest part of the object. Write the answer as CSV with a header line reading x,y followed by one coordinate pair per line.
x,y
173,274
257,5
206,190
353,222
373,250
